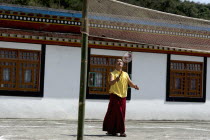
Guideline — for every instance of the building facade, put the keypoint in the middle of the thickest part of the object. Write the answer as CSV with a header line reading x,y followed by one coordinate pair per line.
x,y
40,59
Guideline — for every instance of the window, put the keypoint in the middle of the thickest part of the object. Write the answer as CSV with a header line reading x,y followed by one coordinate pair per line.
x,y
99,68
20,72
186,81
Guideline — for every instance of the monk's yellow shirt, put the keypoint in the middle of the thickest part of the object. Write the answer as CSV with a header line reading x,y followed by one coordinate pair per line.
x,y
120,87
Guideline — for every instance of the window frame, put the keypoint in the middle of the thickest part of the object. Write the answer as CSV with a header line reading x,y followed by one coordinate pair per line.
x,y
99,96
26,93
185,99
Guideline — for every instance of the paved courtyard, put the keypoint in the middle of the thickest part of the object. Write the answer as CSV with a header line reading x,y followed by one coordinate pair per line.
x,y
20,129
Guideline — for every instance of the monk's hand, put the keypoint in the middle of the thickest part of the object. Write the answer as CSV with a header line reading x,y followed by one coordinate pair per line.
x,y
118,78
136,87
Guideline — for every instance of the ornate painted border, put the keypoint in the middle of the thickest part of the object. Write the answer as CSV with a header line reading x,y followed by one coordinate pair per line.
x,y
41,19
101,44
136,28
118,26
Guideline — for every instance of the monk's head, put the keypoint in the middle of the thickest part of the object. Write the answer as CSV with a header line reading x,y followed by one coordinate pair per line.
x,y
119,63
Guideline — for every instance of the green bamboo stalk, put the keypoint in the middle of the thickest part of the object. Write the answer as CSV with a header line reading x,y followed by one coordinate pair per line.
x,y
83,73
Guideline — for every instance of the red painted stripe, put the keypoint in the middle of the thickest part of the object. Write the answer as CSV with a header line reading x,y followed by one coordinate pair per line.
x,y
69,18
22,14
15,13
7,12
99,46
77,19
40,26
39,42
31,14
47,16
39,15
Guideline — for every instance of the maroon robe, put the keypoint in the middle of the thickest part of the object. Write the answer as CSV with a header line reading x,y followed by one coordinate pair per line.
x,y
114,121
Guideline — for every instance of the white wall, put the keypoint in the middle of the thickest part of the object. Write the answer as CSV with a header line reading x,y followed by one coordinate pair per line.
x,y
61,89
208,81
14,45
62,72
187,58
149,72
150,103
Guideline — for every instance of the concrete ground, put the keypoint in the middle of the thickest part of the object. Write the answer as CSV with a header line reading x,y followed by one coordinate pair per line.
x,y
20,129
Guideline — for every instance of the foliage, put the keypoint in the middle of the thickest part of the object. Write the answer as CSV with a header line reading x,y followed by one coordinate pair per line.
x,y
180,7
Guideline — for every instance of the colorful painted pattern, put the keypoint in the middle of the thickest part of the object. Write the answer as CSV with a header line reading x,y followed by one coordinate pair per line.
x,y
141,33
74,18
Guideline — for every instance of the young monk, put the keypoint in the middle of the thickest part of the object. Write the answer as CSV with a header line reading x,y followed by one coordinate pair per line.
x,y
114,121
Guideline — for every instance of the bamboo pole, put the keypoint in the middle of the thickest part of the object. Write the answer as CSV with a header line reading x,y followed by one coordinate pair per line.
x,y
83,73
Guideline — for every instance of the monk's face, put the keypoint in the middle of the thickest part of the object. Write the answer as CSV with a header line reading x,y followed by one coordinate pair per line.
x,y
119,63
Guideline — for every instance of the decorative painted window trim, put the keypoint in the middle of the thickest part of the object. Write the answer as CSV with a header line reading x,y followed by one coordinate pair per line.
x,y
72,21
173,98
152,30
95,43
38,92
104,94
95,25
40,19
